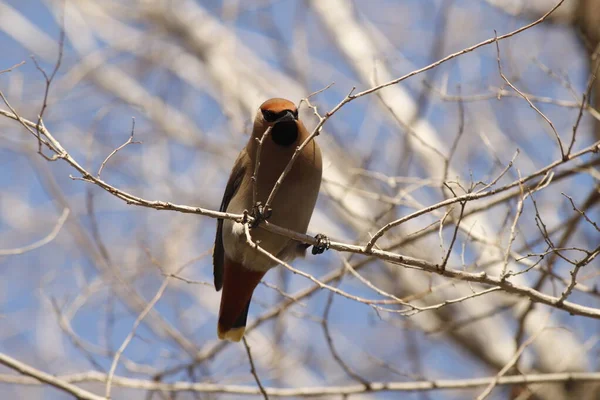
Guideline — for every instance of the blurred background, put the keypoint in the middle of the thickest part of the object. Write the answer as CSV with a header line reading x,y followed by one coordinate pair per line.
x,y
78,265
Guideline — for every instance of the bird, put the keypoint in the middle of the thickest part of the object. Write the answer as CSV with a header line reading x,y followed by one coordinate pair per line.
x,y
238,267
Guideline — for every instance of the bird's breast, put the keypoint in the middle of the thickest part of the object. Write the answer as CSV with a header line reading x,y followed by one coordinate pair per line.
x,y
292,208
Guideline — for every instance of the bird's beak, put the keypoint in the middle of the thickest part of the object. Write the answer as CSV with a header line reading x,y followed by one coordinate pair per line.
x,y
289,116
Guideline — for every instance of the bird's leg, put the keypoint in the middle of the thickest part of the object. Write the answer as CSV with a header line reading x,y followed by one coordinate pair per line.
x,y
260,213
323,244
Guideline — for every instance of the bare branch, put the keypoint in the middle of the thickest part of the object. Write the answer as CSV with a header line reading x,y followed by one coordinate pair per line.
x,y
253,370
129,141
524,96
508,366
11,68
47,378
425,385
47,239
129,337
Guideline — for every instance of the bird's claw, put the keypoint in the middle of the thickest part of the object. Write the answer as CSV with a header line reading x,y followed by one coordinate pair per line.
x,y
323,244
260,213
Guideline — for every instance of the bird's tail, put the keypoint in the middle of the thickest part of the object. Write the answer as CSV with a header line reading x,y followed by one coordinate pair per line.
x,y
239,283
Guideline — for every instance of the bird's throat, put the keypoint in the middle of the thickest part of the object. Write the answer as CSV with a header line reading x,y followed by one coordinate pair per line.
x,y
285,133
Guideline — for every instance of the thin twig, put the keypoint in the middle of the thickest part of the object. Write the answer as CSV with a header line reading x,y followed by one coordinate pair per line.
x,y
131,334
524,96
11,68
257,165
585,261
582,213
461,131
47,239
513,228
334,353
253,370
502,173
496,93
49,79
454,234
129,141
508,365
585,102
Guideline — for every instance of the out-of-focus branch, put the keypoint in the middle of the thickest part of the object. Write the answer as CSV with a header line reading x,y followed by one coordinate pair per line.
x,y
508,366
47,239
129,337
536,8
46,378
428,385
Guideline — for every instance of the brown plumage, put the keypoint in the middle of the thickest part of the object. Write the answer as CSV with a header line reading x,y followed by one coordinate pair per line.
x,y
238,268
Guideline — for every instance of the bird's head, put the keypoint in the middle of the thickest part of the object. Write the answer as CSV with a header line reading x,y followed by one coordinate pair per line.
x,y
282,116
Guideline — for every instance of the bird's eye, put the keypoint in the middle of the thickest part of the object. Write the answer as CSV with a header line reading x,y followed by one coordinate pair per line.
x,y
269,115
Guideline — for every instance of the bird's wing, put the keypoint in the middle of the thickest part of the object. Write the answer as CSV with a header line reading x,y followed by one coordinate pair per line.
x,y
233,184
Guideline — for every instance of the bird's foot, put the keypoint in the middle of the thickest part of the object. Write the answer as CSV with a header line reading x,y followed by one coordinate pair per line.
x,y
260,213
323,244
